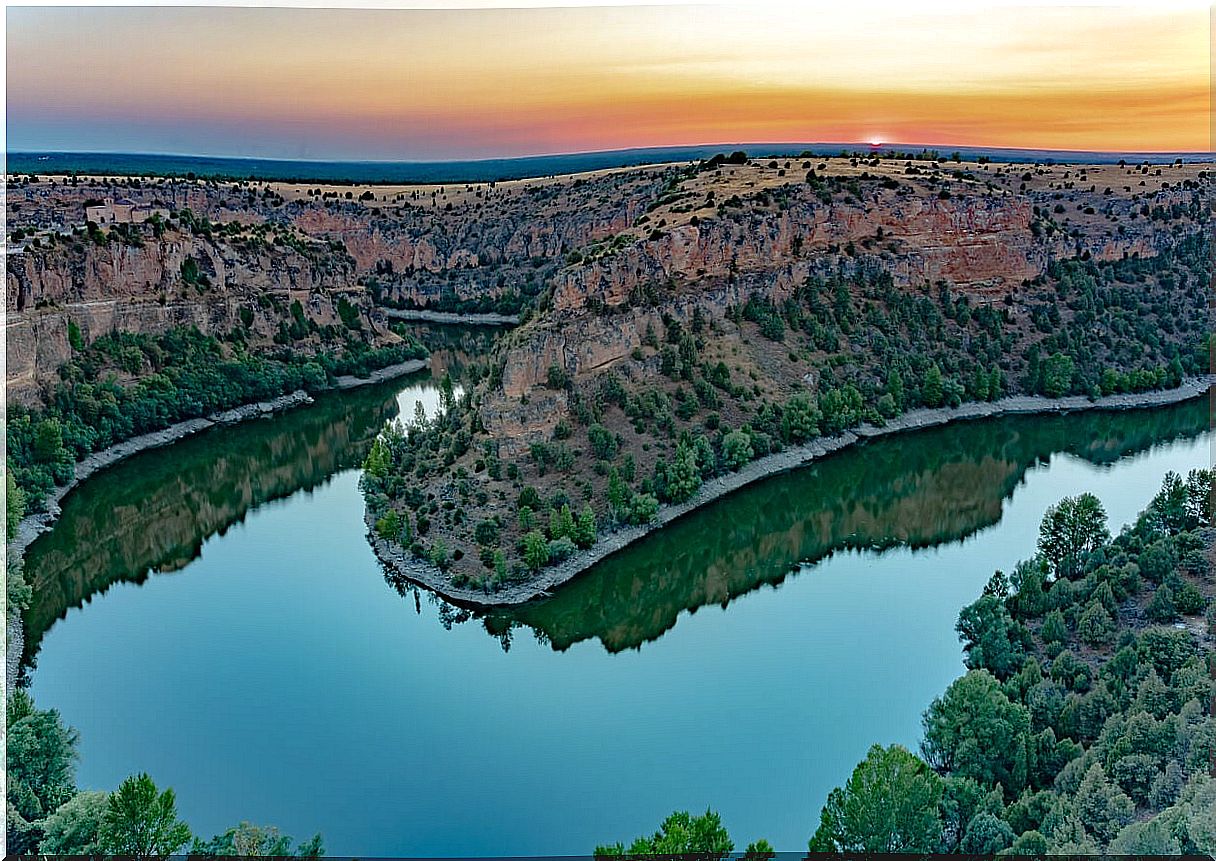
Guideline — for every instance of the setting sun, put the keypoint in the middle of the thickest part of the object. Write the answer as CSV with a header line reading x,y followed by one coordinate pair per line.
x,y
385,83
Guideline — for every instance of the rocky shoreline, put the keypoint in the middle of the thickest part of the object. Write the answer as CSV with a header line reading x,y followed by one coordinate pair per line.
x,y
398,560
388,372
449,318
34,525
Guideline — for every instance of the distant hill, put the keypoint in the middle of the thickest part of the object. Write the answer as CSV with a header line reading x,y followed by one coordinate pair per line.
x,y
488,170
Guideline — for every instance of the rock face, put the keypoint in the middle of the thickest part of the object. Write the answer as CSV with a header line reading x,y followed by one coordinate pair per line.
x,y
755,308
140,288
262,247
982,241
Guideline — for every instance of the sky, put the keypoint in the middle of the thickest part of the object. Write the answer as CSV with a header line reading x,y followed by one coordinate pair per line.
x,y
472,83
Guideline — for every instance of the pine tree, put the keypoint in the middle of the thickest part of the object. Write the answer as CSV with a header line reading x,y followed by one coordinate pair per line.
x,y
585,529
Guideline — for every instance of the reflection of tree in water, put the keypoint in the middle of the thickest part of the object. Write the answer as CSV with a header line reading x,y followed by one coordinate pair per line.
x,y
152,513
453,347
912,490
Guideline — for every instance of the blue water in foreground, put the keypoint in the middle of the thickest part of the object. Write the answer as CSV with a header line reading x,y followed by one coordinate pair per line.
x,y
277,678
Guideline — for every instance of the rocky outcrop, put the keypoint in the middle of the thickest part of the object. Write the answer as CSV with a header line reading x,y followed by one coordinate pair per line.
x,y
118,287
971,240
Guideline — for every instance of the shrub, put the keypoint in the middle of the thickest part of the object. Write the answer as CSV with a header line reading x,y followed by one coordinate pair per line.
x,y
737,450
604,443
536,550
1188,599
1095,627
642,509
561,548
1162,608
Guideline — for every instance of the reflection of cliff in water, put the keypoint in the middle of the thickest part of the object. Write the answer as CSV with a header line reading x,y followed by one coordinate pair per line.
x,y
917,490
453,347
153,512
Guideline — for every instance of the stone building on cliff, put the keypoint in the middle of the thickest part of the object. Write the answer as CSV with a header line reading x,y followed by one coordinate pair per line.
x,y
122,211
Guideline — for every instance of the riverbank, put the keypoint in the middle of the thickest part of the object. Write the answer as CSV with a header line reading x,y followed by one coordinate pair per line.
x,y
450,318
34,525
398,559
389,372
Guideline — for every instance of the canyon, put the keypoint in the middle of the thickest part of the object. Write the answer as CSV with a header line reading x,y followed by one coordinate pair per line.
x,y
660,309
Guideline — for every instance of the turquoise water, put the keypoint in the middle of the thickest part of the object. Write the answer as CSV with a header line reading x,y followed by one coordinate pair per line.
x,y
270,673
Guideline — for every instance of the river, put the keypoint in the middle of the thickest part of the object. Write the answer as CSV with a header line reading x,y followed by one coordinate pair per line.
x,y
212,614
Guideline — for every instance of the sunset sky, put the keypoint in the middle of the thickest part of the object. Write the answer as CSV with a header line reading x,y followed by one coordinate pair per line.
x,y
471,83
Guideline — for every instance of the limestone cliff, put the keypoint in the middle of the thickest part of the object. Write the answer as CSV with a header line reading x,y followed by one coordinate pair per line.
x,y
753,305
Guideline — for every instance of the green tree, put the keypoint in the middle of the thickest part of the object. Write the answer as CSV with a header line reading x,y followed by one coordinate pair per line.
x,y
800,420
1101,805
41,758
642,508
75,338
987,834
973,730
618,495
1152,837
895,388
75,828
141,821
556,377
536,550
388,526
889,804
48,441
1095,626
1058,372
1162,607
585,528
683,476
255,841
932,389
680,834
447,394
603,442
14,503
378,460
1054,631
759,850
1070,530
561,523
736,450
990,637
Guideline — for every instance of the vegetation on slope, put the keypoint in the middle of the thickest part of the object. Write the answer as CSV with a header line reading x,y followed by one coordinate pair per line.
x,y
124,384
1083,723
703,396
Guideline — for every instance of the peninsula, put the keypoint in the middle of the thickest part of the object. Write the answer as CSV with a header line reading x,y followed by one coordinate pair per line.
x,y
759,313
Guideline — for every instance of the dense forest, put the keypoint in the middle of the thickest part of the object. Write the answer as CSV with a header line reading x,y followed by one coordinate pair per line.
x,y
125,384
1083,723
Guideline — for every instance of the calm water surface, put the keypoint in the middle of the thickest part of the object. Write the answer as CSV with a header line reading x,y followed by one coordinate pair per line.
x,y
212,614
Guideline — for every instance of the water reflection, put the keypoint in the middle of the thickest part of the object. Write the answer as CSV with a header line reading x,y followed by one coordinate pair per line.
x,y
915,490
453,347
151,514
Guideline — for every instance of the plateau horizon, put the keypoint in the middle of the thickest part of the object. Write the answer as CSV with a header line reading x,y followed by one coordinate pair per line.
x,y
503,168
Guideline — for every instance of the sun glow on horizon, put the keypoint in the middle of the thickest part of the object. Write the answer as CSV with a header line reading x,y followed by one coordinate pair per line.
x,y
376,84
